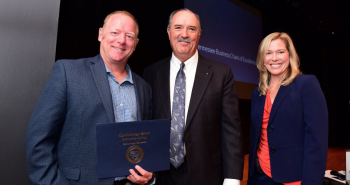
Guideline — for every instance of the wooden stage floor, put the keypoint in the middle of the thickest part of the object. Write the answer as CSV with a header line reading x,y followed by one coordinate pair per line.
x,y
335,161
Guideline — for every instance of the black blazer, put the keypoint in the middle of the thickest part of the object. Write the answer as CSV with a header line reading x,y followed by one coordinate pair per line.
x,y
297,132
213,136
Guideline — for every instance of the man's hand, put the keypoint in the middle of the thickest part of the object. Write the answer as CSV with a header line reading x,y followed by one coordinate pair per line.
x,y
140,179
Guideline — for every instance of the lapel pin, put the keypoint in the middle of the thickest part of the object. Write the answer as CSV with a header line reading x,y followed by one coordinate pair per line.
x,y
206,73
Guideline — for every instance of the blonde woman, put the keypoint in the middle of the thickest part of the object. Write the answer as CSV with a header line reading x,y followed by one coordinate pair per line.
x,y
289,119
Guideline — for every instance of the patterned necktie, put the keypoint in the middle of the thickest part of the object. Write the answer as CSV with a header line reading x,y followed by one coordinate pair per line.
x,y
178,119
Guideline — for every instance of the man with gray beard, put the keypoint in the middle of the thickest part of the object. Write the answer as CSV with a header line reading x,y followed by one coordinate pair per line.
x,y
199,96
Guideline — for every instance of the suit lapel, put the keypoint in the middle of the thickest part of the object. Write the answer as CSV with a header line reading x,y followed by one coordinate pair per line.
x,y
282,93
139,96
201,81
163,79
98,70
260,113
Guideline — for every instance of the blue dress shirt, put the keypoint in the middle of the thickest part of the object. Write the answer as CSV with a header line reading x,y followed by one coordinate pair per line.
x,y
124,99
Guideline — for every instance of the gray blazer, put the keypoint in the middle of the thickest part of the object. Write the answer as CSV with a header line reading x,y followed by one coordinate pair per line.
x,y
61,135
213,137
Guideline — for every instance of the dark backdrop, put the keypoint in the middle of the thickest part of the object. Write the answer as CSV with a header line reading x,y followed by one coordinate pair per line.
x,y
310,24
80,20
320,30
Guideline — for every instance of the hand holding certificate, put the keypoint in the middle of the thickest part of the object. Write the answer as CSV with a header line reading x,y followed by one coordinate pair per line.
x,y
121,146
143,178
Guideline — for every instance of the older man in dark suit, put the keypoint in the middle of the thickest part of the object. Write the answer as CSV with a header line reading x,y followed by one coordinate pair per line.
x,y
61,136
199,96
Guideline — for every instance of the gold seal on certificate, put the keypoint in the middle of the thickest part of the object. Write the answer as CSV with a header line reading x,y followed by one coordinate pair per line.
x,y
134,154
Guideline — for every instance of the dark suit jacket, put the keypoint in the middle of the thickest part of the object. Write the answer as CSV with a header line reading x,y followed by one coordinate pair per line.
x,y
297,132
61,135
213,137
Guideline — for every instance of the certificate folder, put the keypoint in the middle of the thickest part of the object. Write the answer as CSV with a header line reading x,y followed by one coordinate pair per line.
x,y
121,146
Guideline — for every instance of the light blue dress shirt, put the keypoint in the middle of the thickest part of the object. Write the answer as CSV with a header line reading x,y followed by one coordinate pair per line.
x,y
124,99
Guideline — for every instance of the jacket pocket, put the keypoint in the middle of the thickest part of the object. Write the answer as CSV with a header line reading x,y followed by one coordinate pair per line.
x,y
71,173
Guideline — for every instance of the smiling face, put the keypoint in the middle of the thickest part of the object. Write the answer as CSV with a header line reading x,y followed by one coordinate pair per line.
x,y
184,34
276,59
118,39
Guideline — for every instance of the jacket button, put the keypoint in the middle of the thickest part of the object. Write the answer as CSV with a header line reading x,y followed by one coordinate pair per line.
x,y
273,149
271,128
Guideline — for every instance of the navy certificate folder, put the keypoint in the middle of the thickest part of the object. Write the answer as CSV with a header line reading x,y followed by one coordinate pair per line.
x,y
122,146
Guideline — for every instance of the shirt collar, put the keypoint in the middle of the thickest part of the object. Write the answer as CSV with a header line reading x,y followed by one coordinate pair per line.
x,y
127,78
190,64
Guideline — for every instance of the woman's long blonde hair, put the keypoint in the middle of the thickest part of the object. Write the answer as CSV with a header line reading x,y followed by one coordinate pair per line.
x,y
292,70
